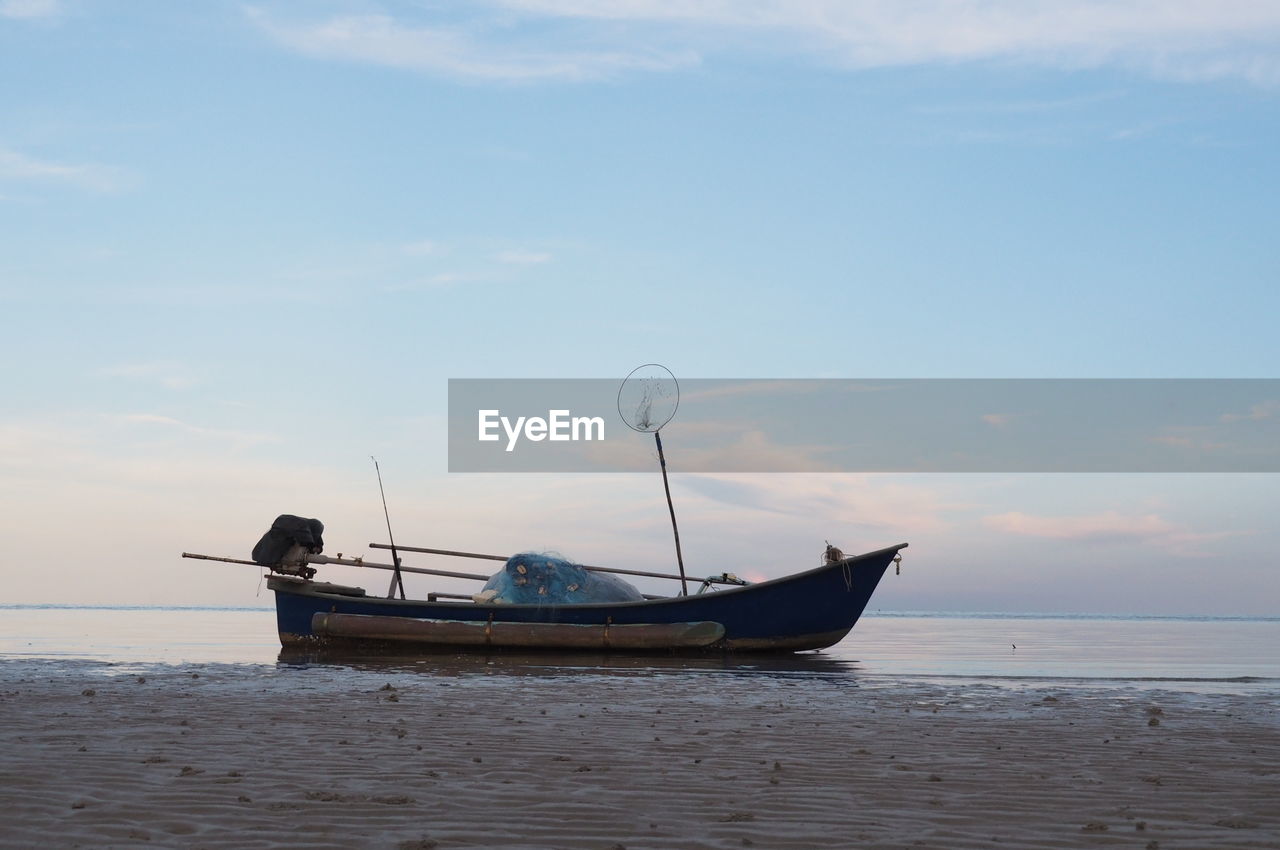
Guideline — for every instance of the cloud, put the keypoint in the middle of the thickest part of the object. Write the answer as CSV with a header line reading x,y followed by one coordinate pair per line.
x,y
997,420
97,178
30,9
523,258
1256,413
239,438
151,418
435,281
169,375
1109,526
740,388
421,248
883,503
751,451
75,451
754,451
1105,526
1023,107
454,51
1185,40
1190,438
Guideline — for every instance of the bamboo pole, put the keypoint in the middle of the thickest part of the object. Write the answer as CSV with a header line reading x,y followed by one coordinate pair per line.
x,y
615,570
217,558
346,562
360,562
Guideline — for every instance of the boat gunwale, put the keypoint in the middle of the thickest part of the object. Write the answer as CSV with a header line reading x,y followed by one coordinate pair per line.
x,y
303,587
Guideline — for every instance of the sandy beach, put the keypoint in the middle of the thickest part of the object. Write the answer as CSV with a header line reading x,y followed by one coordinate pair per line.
x,y
95,755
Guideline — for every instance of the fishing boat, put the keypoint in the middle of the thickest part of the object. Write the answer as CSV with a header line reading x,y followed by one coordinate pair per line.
x,y
808,610
541,602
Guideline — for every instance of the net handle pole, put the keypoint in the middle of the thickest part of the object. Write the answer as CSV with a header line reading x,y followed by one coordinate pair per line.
x,y
662,460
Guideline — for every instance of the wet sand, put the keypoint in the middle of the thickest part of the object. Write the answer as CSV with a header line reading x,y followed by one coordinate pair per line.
x,y
235,756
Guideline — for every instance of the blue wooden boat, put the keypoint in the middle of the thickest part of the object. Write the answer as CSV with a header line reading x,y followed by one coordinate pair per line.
x,y
808,610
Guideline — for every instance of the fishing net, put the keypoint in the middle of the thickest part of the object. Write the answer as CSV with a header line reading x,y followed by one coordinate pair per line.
x,y
530,578
648,398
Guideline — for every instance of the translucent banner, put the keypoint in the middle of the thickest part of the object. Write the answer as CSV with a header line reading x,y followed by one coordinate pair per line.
x,y
916,425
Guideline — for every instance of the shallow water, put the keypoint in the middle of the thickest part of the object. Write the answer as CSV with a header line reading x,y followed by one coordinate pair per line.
x,y
1190,654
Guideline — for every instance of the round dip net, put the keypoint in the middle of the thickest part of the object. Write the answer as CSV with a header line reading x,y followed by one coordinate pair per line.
x,y
648,398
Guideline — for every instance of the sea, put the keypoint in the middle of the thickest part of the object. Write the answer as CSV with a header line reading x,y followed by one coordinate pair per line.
x,y
1191,654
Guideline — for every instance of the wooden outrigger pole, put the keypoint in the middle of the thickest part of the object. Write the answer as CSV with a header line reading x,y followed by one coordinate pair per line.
x,y
346,562
726,578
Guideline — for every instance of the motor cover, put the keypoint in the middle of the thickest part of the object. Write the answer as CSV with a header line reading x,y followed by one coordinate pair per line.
x,y
287,532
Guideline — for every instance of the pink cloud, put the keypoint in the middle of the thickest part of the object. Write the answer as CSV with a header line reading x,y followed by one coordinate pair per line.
x,y
1172,440
1104,526
1110,526
1256,413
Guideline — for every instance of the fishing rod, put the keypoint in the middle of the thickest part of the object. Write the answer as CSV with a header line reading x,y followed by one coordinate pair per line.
x,y
396,579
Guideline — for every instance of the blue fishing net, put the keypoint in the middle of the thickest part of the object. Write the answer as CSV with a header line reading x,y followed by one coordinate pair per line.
x,y
533,579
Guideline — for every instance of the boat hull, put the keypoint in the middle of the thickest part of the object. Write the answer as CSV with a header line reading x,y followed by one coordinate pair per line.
x,y
809,610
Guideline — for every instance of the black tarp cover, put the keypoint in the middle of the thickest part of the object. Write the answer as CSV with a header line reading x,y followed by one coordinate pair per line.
x,y
286,531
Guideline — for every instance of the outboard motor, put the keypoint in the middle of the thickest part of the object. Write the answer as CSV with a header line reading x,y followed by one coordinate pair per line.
x,y
285,547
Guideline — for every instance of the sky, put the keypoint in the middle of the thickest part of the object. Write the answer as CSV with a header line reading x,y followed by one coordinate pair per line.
x,y
244,246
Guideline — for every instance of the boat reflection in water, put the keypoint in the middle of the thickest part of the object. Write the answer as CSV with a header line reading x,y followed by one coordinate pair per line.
x,y
805,665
